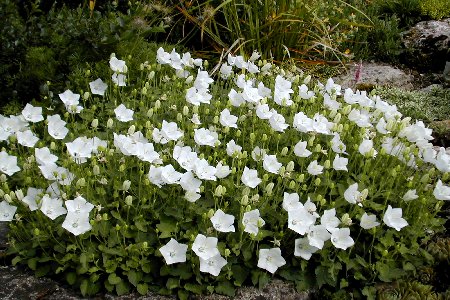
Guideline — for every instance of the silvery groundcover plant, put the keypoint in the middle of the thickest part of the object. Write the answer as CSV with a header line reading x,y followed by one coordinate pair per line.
x,y
182,178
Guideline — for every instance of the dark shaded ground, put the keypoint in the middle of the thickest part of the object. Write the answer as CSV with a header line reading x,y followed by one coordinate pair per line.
x,y
17,283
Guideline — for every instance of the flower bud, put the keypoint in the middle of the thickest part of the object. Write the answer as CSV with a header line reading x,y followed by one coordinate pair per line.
x,y
332,113
307,79
300,178
81,183
264,137
311,140
327,164
218,192
284,151
109,123
364,194
282,171
244,200
216,119
157,104
8,198
185,110
126,185
94,123
238,133
129,200
149,113
346,220
151,75
292,184
3,178
432,172
122,168
2,193
36,232
290,166
255,198
337,118
227,252
317,182
318,148
265,177
346,110
252,137
269,188
131,130
52,146
425,178
246,191
19,195
12,195
210,213
96,170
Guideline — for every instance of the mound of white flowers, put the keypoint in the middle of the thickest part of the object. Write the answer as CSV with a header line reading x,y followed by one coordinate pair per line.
x,y
222,170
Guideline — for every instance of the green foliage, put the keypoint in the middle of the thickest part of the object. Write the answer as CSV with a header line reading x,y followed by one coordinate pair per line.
x,y
435,9
41,47
307,30
422,105
407,290
133,217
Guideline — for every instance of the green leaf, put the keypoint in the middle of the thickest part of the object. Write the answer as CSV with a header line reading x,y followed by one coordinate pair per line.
x,y
142,288
263,279
370,292
42,271
239,274
166,228
194,288
83,260
343,284
225,288
116,215
122,288
114,279
172,283
140,225
183,295
71,277
32,263
323,276
16,260
174,212
183,271
84,287
388,273
134,277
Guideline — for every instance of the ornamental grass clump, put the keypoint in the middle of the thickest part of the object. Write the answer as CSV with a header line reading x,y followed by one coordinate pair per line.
x,y
177,179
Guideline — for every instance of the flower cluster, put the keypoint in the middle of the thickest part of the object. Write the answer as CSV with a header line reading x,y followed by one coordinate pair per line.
x,y
234,154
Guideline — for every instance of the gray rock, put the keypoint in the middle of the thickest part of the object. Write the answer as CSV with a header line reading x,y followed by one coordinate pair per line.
x,y
427,45
446,73
374,75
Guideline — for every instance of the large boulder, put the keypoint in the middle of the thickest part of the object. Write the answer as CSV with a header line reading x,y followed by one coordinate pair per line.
x,y
427,45
370,75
